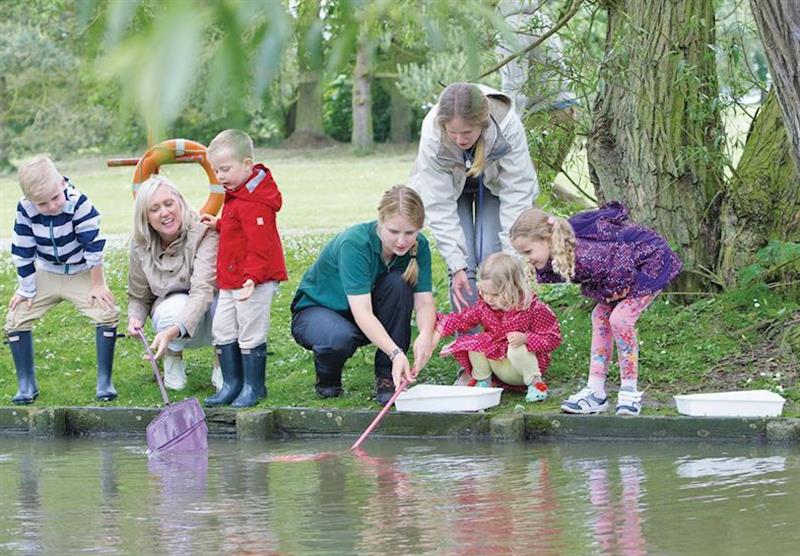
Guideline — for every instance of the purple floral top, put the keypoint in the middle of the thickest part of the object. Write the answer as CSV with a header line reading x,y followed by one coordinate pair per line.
x,y
612,254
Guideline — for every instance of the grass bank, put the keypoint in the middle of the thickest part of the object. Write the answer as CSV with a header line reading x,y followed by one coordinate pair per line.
x,y
712,344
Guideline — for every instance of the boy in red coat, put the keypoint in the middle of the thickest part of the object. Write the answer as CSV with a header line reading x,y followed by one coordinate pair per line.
x,y
250,264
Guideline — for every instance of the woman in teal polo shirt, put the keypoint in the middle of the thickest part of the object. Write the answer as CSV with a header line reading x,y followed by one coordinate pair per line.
x,y
362,289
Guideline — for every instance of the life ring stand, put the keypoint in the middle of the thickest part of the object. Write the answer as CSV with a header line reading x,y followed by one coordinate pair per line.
x,y
176,151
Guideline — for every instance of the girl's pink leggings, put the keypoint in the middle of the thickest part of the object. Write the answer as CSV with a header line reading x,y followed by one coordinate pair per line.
x,y
616,324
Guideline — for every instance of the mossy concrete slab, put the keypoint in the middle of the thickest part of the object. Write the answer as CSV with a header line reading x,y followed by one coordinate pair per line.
x,y
645,427
783,430
255,425
48,421
109,420
508,428
302,421
134,420
15,420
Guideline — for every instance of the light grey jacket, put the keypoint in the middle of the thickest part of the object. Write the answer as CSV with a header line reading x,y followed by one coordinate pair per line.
x,y
187,265
439,174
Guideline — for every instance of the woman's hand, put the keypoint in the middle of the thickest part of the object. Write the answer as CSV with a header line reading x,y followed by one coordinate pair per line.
x,y
423,349
461,288
516,339
619,295
133,324
401,370
163,338
209,221
101,295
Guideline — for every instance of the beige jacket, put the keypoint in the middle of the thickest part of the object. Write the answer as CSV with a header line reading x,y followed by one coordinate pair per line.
x,y
439,174
188,265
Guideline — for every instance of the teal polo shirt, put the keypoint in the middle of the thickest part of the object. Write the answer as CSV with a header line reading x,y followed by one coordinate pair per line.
x,y
351,263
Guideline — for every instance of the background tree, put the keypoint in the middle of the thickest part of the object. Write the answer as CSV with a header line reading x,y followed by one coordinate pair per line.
x,y
309,38
779,24
657,135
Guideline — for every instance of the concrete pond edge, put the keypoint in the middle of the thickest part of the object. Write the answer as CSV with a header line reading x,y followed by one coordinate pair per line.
x,y
300,422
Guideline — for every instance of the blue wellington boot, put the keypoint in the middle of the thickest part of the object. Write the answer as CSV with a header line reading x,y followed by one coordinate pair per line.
x,y
21,344
105,338
230,361
254,364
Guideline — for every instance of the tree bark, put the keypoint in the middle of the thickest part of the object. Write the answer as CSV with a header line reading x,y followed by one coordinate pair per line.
x,y
308,115
655,142
762,201
401,115
778,23
362,136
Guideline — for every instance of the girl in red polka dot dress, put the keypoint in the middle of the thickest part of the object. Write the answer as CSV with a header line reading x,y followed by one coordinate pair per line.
x,y
518,330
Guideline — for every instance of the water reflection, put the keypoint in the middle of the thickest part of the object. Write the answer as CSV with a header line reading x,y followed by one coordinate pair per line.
x,y
28,508
399,497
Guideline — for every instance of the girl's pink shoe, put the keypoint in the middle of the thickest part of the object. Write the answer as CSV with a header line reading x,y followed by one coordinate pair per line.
x,y
537,392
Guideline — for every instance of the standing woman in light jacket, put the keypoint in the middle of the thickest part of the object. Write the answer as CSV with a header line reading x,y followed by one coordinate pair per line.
x,y
172,276
475,176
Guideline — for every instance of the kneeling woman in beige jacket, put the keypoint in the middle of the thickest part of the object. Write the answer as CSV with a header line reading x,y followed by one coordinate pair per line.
x,y
172,276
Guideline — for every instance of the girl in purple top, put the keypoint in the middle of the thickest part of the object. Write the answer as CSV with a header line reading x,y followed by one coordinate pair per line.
x,y
621,265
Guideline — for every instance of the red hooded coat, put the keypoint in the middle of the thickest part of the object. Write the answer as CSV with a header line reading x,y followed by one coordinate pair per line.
x,y
249,242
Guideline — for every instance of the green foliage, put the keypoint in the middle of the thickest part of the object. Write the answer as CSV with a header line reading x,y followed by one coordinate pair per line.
x,y
338,110
779,261
337,113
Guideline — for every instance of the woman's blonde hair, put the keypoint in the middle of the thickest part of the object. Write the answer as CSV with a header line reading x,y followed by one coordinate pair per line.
x,y
143,234
404,201
508,279
536,225
467,102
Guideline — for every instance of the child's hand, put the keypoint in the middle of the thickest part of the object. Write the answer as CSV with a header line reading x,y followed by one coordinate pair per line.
x,y
209,220
619,295
16,299
247,290
102,295
516,339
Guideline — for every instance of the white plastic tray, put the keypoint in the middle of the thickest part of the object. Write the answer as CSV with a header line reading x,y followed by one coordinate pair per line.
x,y
433,398
745,403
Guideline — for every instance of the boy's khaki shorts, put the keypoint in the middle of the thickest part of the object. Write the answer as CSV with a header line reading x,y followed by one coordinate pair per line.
x,y
53,288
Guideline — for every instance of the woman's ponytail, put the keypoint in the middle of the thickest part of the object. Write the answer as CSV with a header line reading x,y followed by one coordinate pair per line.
x,y
412,270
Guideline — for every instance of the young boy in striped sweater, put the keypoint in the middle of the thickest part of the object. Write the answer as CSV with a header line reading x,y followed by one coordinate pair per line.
x,y
58,252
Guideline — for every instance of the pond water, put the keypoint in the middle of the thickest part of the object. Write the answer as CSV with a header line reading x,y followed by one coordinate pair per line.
x,y
398,497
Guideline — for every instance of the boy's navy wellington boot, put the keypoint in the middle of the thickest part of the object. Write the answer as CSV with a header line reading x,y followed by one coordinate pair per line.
x,y
21,344
230,361
105,340
254,364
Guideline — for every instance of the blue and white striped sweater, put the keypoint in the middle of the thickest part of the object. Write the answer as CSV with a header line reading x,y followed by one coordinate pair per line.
x,y
64,243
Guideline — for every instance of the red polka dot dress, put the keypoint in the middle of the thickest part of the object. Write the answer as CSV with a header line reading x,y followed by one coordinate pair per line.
x,y
538,322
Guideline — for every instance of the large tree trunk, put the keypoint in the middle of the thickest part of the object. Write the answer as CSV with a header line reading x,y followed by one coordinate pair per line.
x,y
778,22
401,115
309,103
361,138
657,130
308,115
763,197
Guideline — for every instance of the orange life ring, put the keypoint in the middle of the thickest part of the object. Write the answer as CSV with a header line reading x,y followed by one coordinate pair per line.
x,y
180,150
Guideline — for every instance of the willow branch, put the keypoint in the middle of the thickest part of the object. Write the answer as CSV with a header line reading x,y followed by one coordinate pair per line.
x,y
563,21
